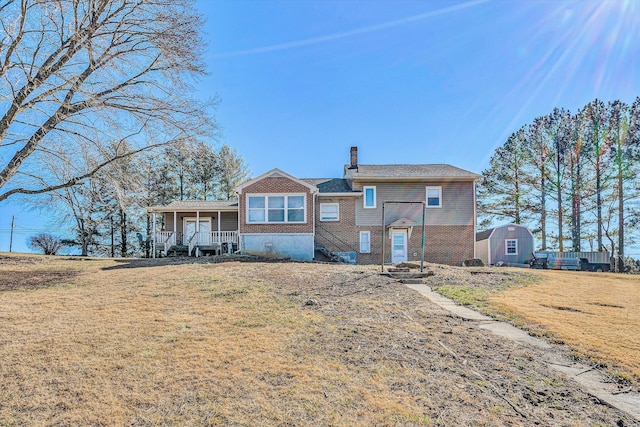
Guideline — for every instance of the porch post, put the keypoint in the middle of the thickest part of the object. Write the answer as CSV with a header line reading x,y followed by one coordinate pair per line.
x,y
153,246
175,228
219,223
197,232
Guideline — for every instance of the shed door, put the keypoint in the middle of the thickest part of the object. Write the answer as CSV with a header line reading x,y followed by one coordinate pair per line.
x,y
398,246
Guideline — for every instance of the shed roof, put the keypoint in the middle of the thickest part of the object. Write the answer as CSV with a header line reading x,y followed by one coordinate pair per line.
x,y
484,235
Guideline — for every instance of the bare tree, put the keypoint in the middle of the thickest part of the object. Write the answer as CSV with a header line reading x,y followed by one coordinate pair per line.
x,y
48,244
77,75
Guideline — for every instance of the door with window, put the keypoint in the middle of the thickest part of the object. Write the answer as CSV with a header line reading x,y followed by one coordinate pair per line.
x,y
190,229
398,246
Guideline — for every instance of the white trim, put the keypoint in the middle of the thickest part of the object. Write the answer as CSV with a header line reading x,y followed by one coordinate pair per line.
x,y
426,195
286,209
276,234
364,196
475,222
368,233
506,247
337,218
350,194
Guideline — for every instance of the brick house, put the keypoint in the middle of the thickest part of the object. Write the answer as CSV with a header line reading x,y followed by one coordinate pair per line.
x,y
281,215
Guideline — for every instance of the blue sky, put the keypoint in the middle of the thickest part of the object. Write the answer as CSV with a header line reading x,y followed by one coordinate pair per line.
x,y
299,82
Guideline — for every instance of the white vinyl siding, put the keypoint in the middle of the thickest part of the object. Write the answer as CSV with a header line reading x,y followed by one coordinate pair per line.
x,y
511,247
276,209
329,212
369,195
365,242
434,197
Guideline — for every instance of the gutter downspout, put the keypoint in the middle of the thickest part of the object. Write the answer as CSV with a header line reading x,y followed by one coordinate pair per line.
x,y
475,220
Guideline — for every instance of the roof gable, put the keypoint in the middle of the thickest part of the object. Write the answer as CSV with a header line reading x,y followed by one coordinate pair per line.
x,y
275,173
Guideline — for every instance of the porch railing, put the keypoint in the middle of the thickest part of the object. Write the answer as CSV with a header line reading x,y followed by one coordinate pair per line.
x,y
167,239
193,241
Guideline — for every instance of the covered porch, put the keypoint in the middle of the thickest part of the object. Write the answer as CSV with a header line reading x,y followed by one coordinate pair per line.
x,y
195,228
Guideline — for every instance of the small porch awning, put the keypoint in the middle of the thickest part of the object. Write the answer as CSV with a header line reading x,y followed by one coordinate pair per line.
x,y
403,223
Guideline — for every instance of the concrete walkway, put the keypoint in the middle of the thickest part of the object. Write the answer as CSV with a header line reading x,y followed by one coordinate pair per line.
x,y
592,381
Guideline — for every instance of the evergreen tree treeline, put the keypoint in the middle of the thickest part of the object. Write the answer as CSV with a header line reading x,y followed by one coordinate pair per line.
x,y
572,178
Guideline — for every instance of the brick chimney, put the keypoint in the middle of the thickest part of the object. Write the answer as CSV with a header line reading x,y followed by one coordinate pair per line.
x,y
354,158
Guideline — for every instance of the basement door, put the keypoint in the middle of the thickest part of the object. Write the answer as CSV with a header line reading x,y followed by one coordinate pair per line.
x,y
398,246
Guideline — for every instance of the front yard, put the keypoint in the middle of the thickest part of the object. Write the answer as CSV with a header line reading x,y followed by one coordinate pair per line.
x,y
137,342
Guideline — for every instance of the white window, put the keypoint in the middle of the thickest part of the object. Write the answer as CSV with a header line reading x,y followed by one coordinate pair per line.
x,y
365,242
276,209
329,212
511,247
369,197
434,197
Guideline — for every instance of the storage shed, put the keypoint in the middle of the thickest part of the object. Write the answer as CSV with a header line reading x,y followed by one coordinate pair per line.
x,y
510,244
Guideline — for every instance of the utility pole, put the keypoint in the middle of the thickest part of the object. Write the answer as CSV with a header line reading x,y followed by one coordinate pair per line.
x,y
13,223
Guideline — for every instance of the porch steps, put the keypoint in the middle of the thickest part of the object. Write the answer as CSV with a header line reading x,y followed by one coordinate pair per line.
x,y
178,250
407,277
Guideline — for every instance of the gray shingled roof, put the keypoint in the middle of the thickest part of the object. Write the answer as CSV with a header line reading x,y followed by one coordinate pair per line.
x,y
198,205
330,185
410,171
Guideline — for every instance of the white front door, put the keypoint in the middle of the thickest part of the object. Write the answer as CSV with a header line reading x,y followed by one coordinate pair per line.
x,y
398,246
190,229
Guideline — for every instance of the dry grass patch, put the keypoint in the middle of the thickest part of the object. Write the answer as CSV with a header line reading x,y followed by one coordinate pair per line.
x,y
241,344
595,313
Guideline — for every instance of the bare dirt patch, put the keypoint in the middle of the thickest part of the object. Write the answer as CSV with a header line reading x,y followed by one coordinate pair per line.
x,y
15,279
271,344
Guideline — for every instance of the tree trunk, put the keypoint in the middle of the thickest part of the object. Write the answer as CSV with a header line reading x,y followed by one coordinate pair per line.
x,y
620,219
599,206
559,196
576,198
543,213
123,233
